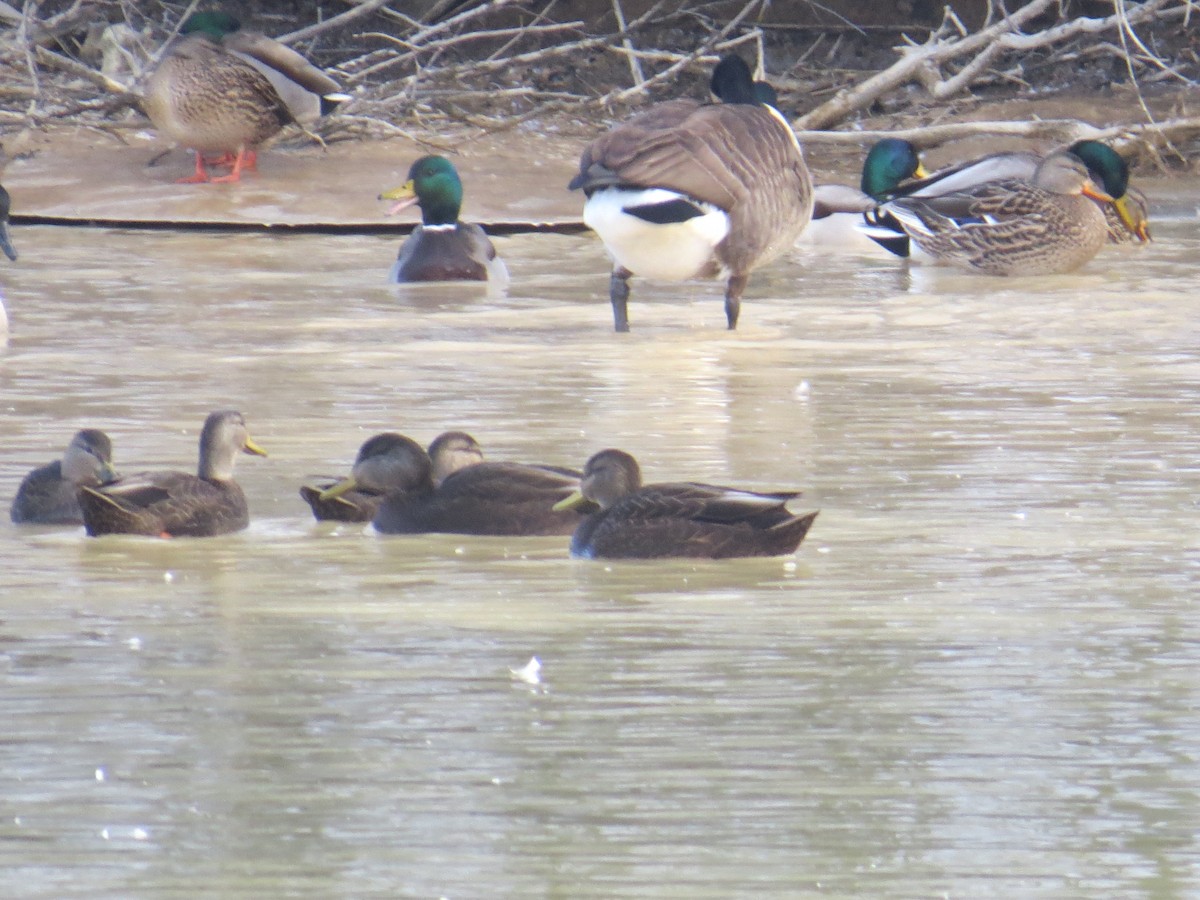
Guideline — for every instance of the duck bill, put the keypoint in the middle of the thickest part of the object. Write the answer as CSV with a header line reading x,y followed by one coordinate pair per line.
x,y
345,486
921,171
406,195
1136,224
253,449
575,501
1089,190
107,474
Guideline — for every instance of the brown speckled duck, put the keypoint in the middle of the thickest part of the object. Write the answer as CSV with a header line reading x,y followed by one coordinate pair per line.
x,y
684,519
1042,226
689,190
47,495
177,504
209,92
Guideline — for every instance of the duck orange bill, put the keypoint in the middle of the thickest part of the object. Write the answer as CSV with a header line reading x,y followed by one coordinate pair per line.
x,y
253,448
1089,190
406,194
342,487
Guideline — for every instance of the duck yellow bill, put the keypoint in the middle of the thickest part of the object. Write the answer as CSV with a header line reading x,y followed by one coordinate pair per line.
x,y
1134,223
342,487
253,448
406,194
921,171
575,501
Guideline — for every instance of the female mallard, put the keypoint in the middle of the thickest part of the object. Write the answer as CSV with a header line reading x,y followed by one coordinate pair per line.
x,y
441,248
838,209
688,190
386,463
500,498
209,92
5,243
639,521
47,494
176,504
1011,227
1127,215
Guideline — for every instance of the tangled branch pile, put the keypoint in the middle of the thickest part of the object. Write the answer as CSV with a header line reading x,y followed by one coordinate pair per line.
x,y
466,66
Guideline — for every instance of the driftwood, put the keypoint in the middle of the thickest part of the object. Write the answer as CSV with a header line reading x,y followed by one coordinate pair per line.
x,y
467,66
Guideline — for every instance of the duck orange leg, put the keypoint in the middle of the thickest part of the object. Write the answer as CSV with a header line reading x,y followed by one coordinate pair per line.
x,y
201,175
246,161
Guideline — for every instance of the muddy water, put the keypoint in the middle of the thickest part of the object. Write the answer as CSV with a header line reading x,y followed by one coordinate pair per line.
x,y
976,678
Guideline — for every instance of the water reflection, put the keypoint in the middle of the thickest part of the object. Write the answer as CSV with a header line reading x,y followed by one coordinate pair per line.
x,y
974,678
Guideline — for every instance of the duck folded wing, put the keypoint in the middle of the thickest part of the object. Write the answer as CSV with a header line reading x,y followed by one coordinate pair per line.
x,y
282,59
707,503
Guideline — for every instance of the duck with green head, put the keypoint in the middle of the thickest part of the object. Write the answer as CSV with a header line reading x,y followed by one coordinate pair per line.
x,y
631,520
441,248
221,91
178,504
47,495
838,209
1127,213
1014,226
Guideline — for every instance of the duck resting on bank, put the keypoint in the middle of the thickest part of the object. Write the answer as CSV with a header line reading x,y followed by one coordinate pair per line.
x,y
222,92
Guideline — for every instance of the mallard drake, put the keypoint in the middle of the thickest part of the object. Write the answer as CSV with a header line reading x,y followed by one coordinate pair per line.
x,y
209,92
451,451
441,248
47,494
1128,215
838,209
386,463
706,521
5,242
1013,226
499,498
688,190
176,504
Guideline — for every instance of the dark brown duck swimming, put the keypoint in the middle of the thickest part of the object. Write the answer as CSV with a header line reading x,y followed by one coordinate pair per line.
x,y
496,498
386,463
451,451
685,519
177,504
47,494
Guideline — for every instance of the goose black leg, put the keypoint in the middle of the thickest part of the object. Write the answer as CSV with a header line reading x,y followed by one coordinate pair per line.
x,y
733,298
618,293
